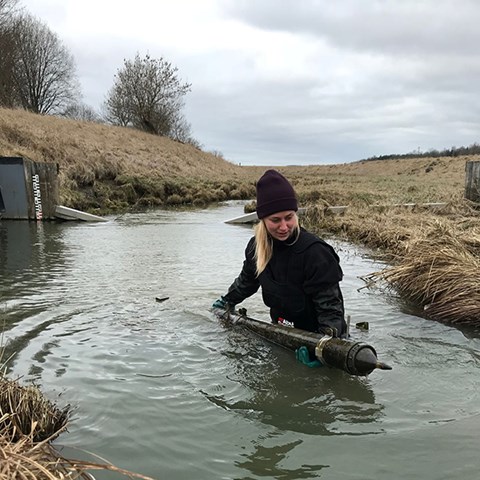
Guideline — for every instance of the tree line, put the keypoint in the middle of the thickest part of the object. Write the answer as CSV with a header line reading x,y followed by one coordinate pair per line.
x,y
38,73
473,149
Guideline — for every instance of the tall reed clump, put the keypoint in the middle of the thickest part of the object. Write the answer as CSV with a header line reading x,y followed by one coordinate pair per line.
x,y
434,257
28,424
22,408
440,271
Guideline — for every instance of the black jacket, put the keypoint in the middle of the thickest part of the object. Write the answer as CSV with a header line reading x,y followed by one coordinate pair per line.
x,y
299,284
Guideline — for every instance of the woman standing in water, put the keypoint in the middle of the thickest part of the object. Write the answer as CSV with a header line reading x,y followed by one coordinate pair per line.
x,y
299,272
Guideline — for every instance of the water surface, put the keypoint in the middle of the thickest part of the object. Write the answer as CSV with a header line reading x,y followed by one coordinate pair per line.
x,y
164,390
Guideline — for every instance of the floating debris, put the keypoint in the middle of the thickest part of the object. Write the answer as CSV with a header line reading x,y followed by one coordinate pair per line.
x,y
160,300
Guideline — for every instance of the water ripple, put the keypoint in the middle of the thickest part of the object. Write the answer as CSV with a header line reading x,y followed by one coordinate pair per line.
x,y
165,390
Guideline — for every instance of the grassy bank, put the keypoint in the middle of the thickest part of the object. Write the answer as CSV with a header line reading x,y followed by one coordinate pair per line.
x,y
112,168
109,169
434,258
434,254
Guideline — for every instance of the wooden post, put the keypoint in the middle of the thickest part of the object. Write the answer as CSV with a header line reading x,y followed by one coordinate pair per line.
x,y
472,181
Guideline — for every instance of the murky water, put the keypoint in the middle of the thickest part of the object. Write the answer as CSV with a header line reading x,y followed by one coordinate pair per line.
x,y
164,390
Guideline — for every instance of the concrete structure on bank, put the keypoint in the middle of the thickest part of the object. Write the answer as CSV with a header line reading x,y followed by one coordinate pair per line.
x,y
29,191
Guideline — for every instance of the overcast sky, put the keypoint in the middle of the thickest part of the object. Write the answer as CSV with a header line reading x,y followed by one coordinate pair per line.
x,y
281,82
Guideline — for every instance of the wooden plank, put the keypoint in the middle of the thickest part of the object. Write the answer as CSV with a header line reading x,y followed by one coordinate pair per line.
x,y
436,206
247,218
336,209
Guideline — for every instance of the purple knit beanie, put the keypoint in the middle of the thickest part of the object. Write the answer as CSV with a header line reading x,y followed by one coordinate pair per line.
x,y
274,194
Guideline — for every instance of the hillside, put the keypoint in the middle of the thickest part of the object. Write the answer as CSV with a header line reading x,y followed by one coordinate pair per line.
x,y
109,168
105,168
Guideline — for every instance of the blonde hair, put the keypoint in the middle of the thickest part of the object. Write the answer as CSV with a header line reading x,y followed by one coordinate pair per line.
x,y
264,245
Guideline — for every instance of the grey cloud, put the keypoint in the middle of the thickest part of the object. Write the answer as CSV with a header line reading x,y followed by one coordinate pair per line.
x,y
406,27
267,123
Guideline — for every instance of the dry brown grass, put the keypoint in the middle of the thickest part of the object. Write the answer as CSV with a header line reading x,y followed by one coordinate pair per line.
x,y
440,271
379,182
22,407
112,168
26,459
95,150
435,258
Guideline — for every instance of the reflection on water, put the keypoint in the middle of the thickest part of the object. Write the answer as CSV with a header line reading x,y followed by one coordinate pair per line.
x,y
268,461
165,390
284,394
31,263
30,251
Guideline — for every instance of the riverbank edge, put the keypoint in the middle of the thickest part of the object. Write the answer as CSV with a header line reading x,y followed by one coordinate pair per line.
x,y
433,258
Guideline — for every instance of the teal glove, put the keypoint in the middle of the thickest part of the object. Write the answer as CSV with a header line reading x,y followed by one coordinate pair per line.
x,y
302,355
222,303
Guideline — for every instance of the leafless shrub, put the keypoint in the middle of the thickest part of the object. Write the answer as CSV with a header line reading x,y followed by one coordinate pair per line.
x,y
148,95
81,111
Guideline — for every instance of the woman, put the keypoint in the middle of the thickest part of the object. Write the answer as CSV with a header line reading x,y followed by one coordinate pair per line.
x,y
299,273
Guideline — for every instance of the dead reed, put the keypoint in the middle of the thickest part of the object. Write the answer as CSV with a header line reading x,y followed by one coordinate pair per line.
x,y
21,407
440,271
28,424
26,459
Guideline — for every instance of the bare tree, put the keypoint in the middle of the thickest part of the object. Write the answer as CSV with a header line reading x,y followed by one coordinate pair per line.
x,y
81,111
7,52
8,96
181,130
147,95
44,71
7,9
